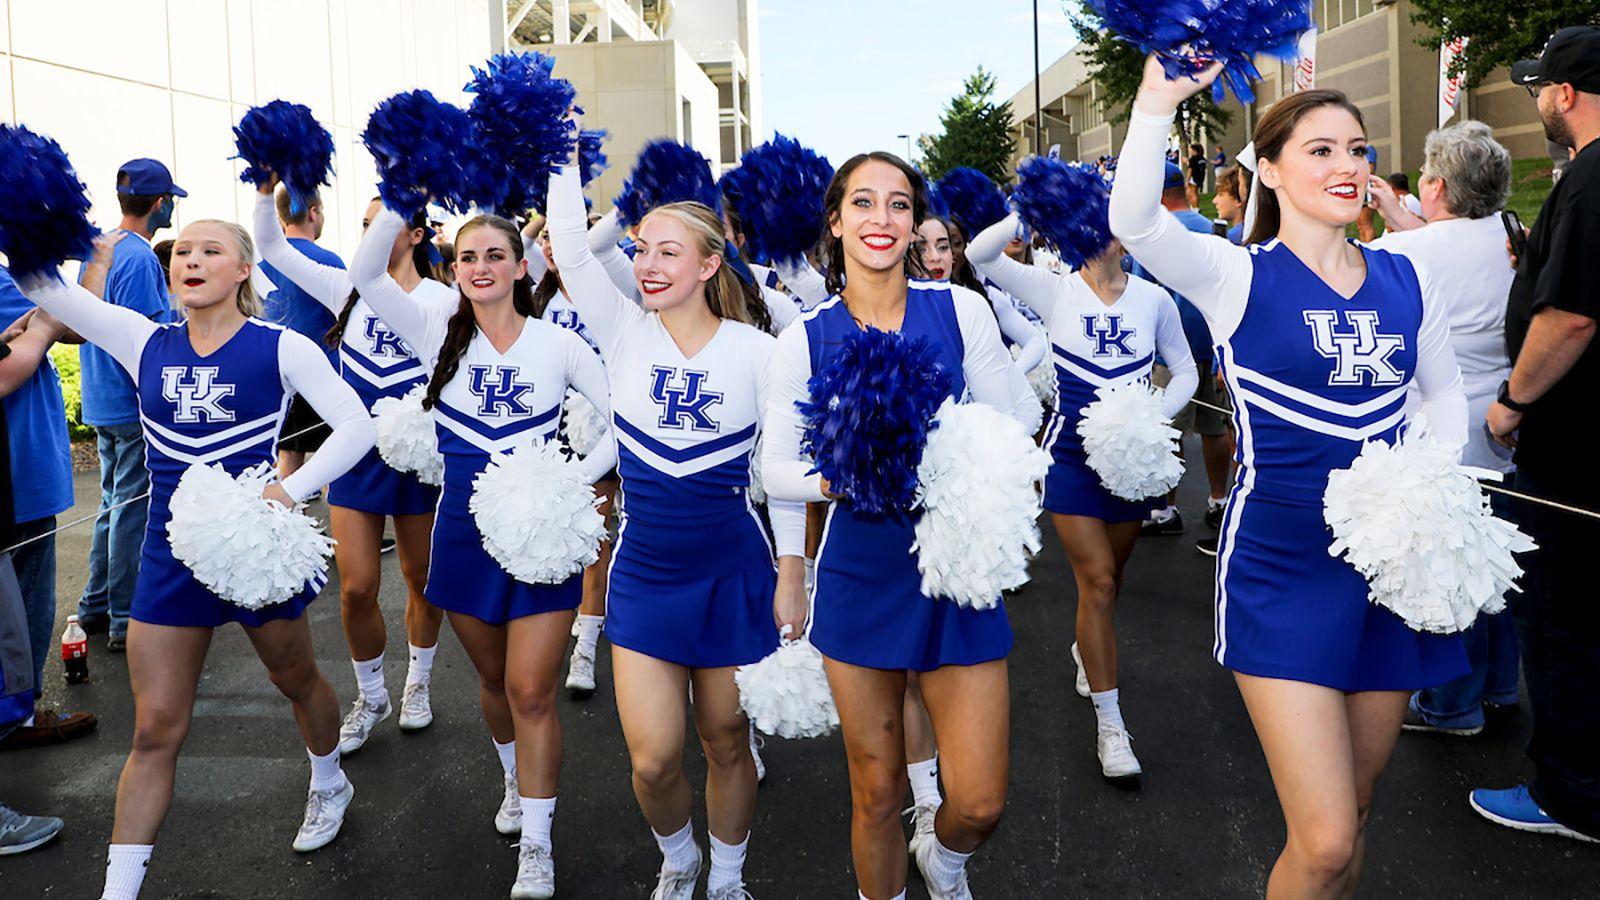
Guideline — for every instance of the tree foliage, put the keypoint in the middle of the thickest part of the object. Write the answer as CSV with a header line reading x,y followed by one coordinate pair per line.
x,y
1500,31
1117,67
976,132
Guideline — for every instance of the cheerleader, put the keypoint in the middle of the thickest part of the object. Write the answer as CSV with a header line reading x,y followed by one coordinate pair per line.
x,y
1105,327
936,238
499,376
1319,340
872,623
377,364
213,389
693,591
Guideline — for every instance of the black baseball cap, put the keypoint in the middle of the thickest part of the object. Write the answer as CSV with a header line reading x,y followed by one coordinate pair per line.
x,y
1572,56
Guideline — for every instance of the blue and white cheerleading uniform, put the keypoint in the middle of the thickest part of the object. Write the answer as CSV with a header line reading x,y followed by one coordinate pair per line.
x,y
869,607
226,407
692,576
495,402
1092,345
373,359
1313,376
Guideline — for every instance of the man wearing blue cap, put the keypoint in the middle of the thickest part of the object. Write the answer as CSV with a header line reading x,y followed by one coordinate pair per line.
x,y
147,196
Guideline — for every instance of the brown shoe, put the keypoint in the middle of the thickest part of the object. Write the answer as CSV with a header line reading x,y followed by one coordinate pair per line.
x,y
49,727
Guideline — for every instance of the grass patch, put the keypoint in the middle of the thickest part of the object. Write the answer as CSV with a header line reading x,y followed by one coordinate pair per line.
x,y
65,358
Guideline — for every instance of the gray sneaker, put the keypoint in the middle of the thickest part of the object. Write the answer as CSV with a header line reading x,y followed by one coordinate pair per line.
x,y
416,707
1081,680
672,885
20,833
536,874
359,722
324,817
508,818
921,824
580,675
730,892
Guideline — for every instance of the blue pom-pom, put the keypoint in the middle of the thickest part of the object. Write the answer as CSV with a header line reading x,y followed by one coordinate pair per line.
x,y
1066,204
869,415
937,207
1188,35
285,139
777,190
591,162
667,172
974,200
519,110
44,220
424,149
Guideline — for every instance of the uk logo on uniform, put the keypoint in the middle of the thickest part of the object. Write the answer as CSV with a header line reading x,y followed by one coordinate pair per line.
x,y
384,341
1110,339
683,406
498,391
1358,352
196,393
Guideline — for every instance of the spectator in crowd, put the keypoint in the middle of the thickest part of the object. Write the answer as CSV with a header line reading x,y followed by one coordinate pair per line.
x,y
36,474
1219,161
1466,178
1400,183
1366,227
147,197
1546,411
1232,190
1215,443
303,430
1197,173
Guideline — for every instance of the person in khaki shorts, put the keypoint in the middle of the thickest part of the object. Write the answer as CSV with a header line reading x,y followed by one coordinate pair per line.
x,y
1216,439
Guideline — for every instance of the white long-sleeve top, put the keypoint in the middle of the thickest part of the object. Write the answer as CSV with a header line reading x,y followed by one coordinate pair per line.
x,y
683,424
1216,276
496,400
804,282
303,369
1075,315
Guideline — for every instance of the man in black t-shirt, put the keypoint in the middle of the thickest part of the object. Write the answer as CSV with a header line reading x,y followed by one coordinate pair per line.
x,y
1547,411
1197,174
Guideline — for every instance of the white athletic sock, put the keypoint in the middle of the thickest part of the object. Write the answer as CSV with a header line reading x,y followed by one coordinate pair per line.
x,y
508,756
538,815
326,775
899,896
369,678
420,669
946,865
924,778
727,863
589,634
677,849
125,868
1216,502
1108,710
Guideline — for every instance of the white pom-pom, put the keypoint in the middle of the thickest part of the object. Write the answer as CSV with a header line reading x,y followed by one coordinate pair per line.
x,y
1129,443
537,514
977,485
787,693
1420,530
581,423
249,551
407,440
758,490
1042,378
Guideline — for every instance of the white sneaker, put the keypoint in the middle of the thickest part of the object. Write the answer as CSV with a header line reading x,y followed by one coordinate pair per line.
x,y
508,819
1117,761
936,891
324,817
580,675
1082,682
756,743
730,892
922,817
359,722
416,707
536,874
672,885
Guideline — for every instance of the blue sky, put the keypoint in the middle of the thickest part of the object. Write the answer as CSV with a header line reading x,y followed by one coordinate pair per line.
x,y
846,76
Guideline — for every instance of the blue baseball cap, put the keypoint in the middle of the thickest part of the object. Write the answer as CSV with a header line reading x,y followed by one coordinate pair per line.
x,y
147,178
1174,178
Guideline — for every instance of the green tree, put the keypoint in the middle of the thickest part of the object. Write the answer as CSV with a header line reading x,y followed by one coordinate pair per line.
x,y
1117,67
1501,31
976,132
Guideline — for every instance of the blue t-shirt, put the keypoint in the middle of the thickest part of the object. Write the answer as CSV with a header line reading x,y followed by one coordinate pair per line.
x,y
137,282
36,419
292,307
1194,324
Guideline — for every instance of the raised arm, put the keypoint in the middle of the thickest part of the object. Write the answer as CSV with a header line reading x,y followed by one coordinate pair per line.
x,y
419,325
604,238
307,372
118,331
329,285
991,375
1173,347
1032,285
604,309
780,307
785,473
588,376
802,281
1033,340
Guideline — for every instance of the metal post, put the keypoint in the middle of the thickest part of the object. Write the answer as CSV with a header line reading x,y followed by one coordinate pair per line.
x,y
1038,107
908,145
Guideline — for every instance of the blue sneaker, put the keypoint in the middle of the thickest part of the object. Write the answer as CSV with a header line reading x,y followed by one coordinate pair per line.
x,y
1514,808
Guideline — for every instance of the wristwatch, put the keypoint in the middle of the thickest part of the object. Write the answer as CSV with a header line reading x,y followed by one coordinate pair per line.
x,y
1504,399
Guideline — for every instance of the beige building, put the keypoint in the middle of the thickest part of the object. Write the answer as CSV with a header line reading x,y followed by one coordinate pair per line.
x,y
688,70
1365,48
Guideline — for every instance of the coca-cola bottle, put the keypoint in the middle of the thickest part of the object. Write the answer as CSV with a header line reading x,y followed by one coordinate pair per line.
x,y
75,652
